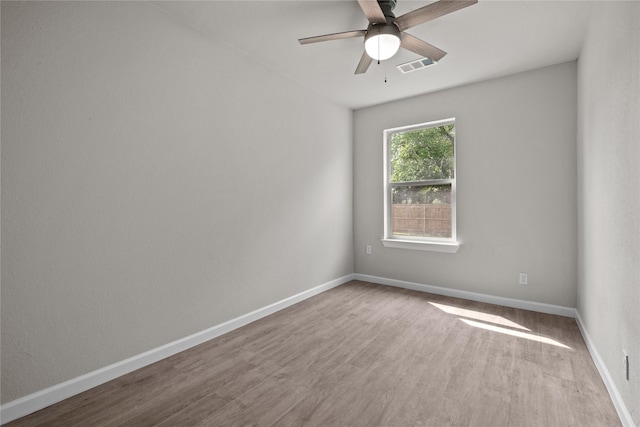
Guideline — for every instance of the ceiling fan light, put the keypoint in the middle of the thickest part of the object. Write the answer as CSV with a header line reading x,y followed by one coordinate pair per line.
x,y
382,46
382,41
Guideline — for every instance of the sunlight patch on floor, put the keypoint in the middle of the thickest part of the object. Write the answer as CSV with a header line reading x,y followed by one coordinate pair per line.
x,y
518,334
472,314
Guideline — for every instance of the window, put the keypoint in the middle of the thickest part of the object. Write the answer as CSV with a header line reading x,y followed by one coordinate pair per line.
x,y
420,187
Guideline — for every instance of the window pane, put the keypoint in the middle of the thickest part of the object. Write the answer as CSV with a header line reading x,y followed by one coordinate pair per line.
x,y
422,154
421,211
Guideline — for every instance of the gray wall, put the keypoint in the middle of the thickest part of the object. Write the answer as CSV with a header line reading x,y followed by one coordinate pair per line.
x,y
516,187
609,191
154,183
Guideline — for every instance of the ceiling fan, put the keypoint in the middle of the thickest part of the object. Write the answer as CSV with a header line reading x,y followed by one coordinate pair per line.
x,y
386,33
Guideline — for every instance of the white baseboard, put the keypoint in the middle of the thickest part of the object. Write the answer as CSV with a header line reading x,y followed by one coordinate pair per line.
x,y
473,296
34,402
623,413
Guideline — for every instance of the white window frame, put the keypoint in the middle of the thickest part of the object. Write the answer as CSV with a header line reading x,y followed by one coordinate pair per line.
x,y
450,245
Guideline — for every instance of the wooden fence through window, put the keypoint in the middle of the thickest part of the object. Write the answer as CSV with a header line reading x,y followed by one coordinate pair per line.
x,y
421,220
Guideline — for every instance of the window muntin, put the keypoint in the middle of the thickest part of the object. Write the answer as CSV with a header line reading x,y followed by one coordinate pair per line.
x,y
420,183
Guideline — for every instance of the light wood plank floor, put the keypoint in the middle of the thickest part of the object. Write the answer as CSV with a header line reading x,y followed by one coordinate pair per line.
x,y
363,355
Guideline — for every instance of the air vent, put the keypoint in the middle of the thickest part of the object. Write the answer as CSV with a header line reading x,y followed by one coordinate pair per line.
x,y
418,64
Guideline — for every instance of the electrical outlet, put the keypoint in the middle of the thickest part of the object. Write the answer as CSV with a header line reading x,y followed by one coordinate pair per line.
x,y
368,249
523,279
625,365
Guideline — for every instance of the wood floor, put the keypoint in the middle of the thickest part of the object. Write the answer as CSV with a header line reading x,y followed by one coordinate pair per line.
x,y
363,355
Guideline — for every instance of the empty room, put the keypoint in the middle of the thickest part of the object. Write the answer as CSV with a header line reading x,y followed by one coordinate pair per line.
x,y
320,213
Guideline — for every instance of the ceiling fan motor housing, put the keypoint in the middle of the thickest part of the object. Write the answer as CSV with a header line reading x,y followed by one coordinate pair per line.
x,y
378,29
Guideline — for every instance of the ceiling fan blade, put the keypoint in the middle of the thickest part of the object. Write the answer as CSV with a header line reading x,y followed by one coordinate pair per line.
x,y
364,63
372,11
422,48
430,12
334,36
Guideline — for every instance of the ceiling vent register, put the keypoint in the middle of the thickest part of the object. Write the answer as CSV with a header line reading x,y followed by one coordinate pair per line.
x,y
418,64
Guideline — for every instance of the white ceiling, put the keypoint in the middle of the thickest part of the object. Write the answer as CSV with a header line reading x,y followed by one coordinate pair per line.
x,y
486,40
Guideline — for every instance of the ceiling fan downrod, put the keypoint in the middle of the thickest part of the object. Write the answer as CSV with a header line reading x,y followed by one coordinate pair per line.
x,y
387,7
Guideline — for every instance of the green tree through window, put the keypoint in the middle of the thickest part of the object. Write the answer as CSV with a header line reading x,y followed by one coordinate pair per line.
x,y
422,155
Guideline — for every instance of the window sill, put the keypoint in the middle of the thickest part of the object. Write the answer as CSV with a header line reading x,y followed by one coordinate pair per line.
x,y
447,247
